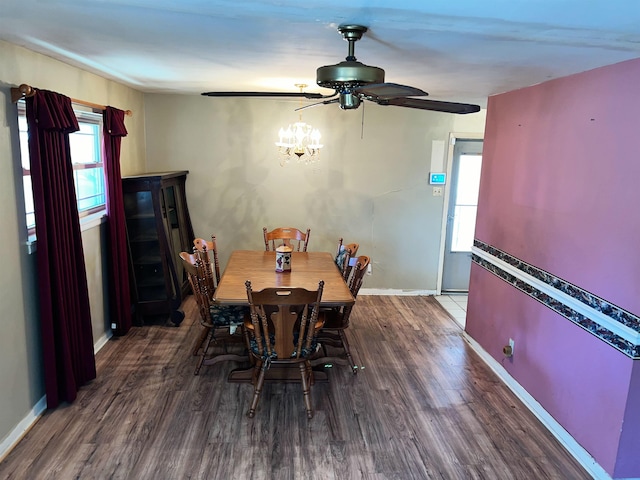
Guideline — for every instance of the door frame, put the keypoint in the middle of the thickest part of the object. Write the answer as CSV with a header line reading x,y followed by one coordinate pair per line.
x,y
453,138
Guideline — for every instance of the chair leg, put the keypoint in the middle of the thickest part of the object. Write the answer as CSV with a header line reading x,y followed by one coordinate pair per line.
x,y
247,344
259,383
200,341
205,348
347,351
305,374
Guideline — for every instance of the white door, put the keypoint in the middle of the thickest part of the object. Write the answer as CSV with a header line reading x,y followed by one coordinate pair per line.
x,y
461,218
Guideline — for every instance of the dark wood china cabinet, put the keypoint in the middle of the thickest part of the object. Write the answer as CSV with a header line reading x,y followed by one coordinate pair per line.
x,y
158,229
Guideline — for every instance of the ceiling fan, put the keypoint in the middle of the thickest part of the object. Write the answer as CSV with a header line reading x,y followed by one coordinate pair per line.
x,y
353,81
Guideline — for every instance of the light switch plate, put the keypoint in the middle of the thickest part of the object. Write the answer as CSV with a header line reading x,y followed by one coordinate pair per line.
x,y
437,191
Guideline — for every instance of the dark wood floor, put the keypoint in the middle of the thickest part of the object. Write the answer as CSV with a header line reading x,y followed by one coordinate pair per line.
x,y
424,407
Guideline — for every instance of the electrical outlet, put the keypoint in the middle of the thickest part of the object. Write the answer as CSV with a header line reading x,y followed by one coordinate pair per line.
x,y
437,191
507,350
369,270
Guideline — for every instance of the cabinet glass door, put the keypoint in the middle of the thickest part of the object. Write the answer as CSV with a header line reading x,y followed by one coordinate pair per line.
x,y
145,248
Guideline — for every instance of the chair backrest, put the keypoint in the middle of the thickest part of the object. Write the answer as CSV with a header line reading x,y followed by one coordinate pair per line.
x,y
196,273
286,236
344,255
284,320
359,270
208,251
354,283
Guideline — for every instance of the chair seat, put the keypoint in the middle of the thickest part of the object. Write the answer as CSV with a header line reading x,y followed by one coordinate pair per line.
x,y
341,257
228,315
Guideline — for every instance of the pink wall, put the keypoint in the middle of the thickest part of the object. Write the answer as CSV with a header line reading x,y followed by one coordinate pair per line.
x,y
560,190
563,167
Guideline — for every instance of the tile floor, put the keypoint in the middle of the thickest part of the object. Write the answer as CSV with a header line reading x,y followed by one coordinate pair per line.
x,y
456,305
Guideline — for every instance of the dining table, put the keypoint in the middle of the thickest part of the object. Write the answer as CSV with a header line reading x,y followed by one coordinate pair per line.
x,y
259,267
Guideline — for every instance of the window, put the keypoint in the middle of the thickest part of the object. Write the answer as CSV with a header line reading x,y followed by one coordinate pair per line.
x,y
466,202
88,167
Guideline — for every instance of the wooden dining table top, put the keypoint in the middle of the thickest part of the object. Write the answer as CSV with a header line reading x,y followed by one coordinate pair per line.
x,y
259,266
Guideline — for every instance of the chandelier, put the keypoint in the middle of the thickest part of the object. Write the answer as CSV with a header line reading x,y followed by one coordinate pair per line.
x,y
299,140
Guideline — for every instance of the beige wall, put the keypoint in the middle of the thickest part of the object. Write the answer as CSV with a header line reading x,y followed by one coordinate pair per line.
x,y
20,368
372,190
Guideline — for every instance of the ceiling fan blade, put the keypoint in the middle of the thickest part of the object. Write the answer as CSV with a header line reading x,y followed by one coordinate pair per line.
x,y
435,105
389,90
309,95
325,102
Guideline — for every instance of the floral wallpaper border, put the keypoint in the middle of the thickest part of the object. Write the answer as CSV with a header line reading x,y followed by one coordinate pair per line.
x,y
592,301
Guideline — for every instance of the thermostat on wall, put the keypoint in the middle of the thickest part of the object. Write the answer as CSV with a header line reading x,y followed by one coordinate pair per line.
x,y
437,178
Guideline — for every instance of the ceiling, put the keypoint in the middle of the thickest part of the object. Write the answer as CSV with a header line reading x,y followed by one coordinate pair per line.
x,y
461,50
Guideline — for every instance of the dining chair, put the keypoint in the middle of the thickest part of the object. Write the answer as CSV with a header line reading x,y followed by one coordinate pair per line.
x,y
208,251
336,320
285,236
285,322
344,257
214,318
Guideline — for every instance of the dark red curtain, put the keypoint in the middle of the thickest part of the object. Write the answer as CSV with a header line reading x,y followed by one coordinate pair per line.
x,y
119,294
67,338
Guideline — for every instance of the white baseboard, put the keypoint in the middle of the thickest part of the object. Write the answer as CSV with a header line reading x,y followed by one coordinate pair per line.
x,y
395,291
22,428
557,430
102,341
